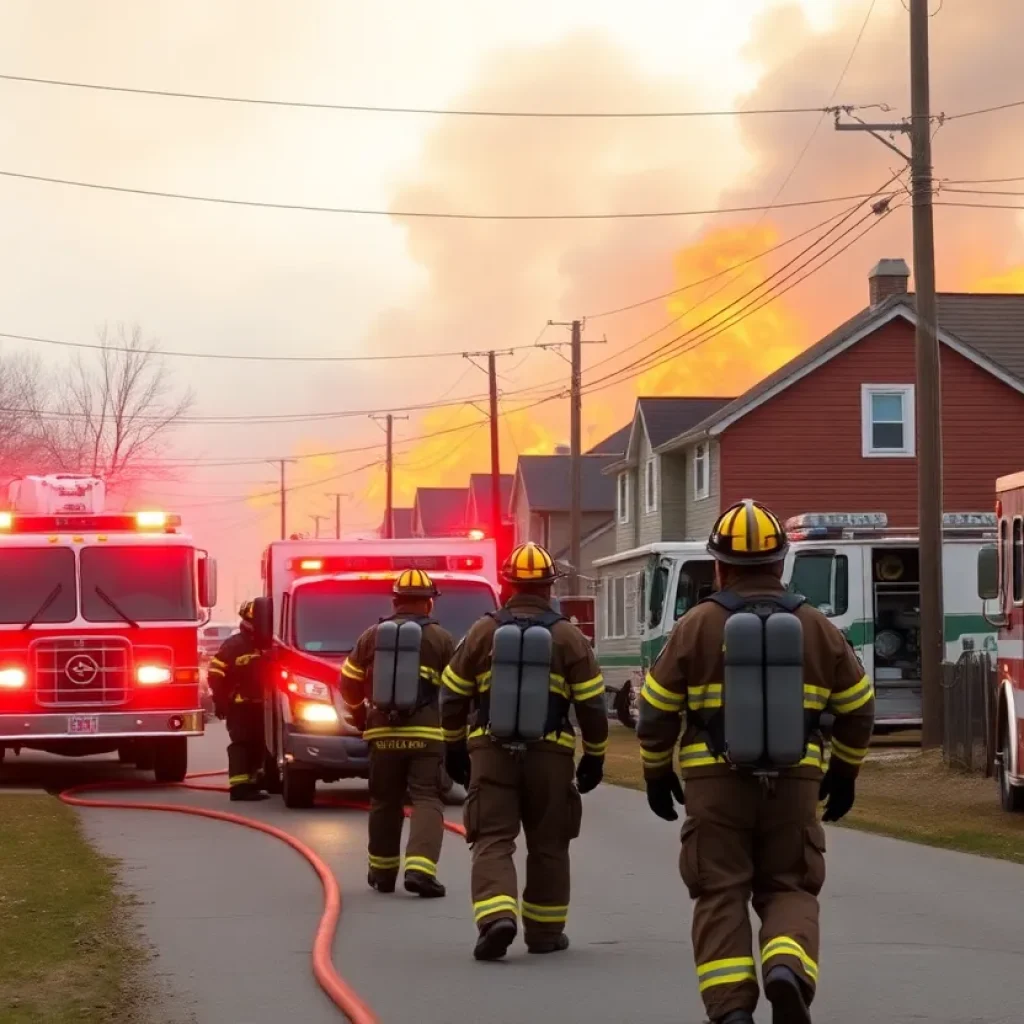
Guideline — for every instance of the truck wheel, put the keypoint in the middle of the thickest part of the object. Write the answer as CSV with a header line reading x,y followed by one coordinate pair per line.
x,y
126,753
170,762
298,787
271,774
1011,797
144,755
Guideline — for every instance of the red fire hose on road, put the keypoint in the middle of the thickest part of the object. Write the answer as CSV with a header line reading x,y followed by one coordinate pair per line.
x,y
334,986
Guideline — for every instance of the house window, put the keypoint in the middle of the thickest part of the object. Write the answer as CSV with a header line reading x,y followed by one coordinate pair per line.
x,y
701,472
651,484
623,497
887,420
615,608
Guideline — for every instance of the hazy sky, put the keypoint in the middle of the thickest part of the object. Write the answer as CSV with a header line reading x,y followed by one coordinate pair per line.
x,y
235,279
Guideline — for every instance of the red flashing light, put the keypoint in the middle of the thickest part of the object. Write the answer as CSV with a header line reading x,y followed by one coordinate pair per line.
x,y
311,564
114,522
477,534
999,508
466,563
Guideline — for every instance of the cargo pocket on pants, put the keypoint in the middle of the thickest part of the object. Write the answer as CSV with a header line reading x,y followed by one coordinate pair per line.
x,y
574,814
689,857
814,858
471,816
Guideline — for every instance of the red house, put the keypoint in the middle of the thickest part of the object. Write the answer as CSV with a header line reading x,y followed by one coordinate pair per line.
x,y
833,430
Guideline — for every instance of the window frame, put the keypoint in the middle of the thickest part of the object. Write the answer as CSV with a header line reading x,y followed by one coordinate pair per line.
x,y
613,609
1004,558
622,490
701,493
906,392
651,481
1017,562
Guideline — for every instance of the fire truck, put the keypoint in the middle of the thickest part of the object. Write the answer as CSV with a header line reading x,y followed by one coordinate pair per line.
x,y
99,614
1001,580
318,596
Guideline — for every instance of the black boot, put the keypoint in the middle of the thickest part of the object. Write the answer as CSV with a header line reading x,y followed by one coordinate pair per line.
x,y
247,791
785,991
552,944
736,1017
382,883
495,938
425,886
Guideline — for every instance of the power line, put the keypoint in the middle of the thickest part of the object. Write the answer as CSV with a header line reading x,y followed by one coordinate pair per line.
x,y
980,206
423,214
978,181
432,111
983,110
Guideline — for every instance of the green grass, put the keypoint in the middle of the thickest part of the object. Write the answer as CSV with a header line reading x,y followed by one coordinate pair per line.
x,y
906,794
68,952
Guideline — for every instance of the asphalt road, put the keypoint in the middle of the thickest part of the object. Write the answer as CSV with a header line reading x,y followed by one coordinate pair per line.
x,y
912,934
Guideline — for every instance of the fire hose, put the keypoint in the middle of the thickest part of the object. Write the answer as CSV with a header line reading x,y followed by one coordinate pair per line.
x,y
330,981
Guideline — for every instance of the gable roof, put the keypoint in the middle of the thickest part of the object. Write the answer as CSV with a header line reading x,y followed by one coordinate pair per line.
x,y
401,519
614,444
479,496
670,416
545,479
983,328
440,511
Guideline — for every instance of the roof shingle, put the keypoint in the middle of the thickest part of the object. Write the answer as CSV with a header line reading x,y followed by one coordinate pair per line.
x,y
441,511
546,479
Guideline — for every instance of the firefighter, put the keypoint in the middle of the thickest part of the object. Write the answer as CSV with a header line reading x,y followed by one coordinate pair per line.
x,y
406,746
237,688
528,784
751,835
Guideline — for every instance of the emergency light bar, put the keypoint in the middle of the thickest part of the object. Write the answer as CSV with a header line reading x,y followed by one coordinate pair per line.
x,y
838,520
119,522
969,520
387,563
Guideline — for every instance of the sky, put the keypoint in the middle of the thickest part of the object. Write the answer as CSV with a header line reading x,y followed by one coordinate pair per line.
x,y
242,280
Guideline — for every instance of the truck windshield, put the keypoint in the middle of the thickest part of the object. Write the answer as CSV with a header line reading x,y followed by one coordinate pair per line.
x,y
147,584
329,616
31,575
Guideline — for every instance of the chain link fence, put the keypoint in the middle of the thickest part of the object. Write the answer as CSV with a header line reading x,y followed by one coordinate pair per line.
x,y
969,711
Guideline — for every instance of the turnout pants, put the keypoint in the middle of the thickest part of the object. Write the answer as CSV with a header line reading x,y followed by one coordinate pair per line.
x,y
534,789
247,748
398,766
743,841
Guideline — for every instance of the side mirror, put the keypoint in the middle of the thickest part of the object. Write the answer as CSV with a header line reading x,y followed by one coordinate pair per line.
x,y
207,582
988,572
263,622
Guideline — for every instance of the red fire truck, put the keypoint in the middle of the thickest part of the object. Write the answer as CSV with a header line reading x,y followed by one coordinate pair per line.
x,y
319,595
1001,579
99,614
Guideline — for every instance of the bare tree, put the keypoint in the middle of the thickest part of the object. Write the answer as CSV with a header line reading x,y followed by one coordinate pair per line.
x,y
112,413
20,387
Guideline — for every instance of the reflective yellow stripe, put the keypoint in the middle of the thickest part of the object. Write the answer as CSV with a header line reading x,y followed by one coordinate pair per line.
x,y
454,735
816,697
783,945
495,905
565,739
384,863
422,864
814,758
658,697
404,732
544,913
353,671
732,971
238,780
217,661
455,683
704,695
696,755
597,749
430,674
213,671
846,701
851,755
656,758
590,688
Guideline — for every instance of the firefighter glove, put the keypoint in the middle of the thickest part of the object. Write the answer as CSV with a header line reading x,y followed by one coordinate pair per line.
x,y
662,795
358,716
837,791
456,762
589,772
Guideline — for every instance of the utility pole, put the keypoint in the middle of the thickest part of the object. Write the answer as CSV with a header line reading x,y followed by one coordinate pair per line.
x,y
337,496
284,492
389,429
928,398
316,524
496,516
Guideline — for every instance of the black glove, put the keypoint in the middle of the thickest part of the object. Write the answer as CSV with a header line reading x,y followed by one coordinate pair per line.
x,y
589,772
358,716
219,710
660,795
838,792
456,762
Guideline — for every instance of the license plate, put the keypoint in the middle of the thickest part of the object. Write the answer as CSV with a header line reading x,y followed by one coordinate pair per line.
x,y
83,725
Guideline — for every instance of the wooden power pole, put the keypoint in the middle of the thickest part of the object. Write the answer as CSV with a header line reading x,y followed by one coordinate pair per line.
x,y
496,516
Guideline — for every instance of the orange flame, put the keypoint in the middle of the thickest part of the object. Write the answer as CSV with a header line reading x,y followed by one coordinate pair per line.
x,y
1009,282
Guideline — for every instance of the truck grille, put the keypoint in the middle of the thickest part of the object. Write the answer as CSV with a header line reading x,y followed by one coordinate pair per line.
x,y
82,670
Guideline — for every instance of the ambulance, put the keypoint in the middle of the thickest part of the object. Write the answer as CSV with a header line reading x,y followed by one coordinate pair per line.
x,y
318,596
99,616
861,573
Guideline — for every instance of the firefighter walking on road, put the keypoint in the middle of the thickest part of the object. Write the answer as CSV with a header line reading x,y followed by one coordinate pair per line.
x,y
746,676
236,685
505,710
396,668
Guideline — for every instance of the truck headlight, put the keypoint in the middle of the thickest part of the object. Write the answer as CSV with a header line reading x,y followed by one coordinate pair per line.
x,y
318,714
312,689
152,675
12,678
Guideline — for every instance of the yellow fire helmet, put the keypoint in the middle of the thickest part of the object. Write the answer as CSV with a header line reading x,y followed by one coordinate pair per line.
x,y
414,583
529,563
748,533
245,613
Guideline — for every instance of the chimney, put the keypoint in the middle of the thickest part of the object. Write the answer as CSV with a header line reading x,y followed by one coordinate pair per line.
x,y
887,278
563,449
